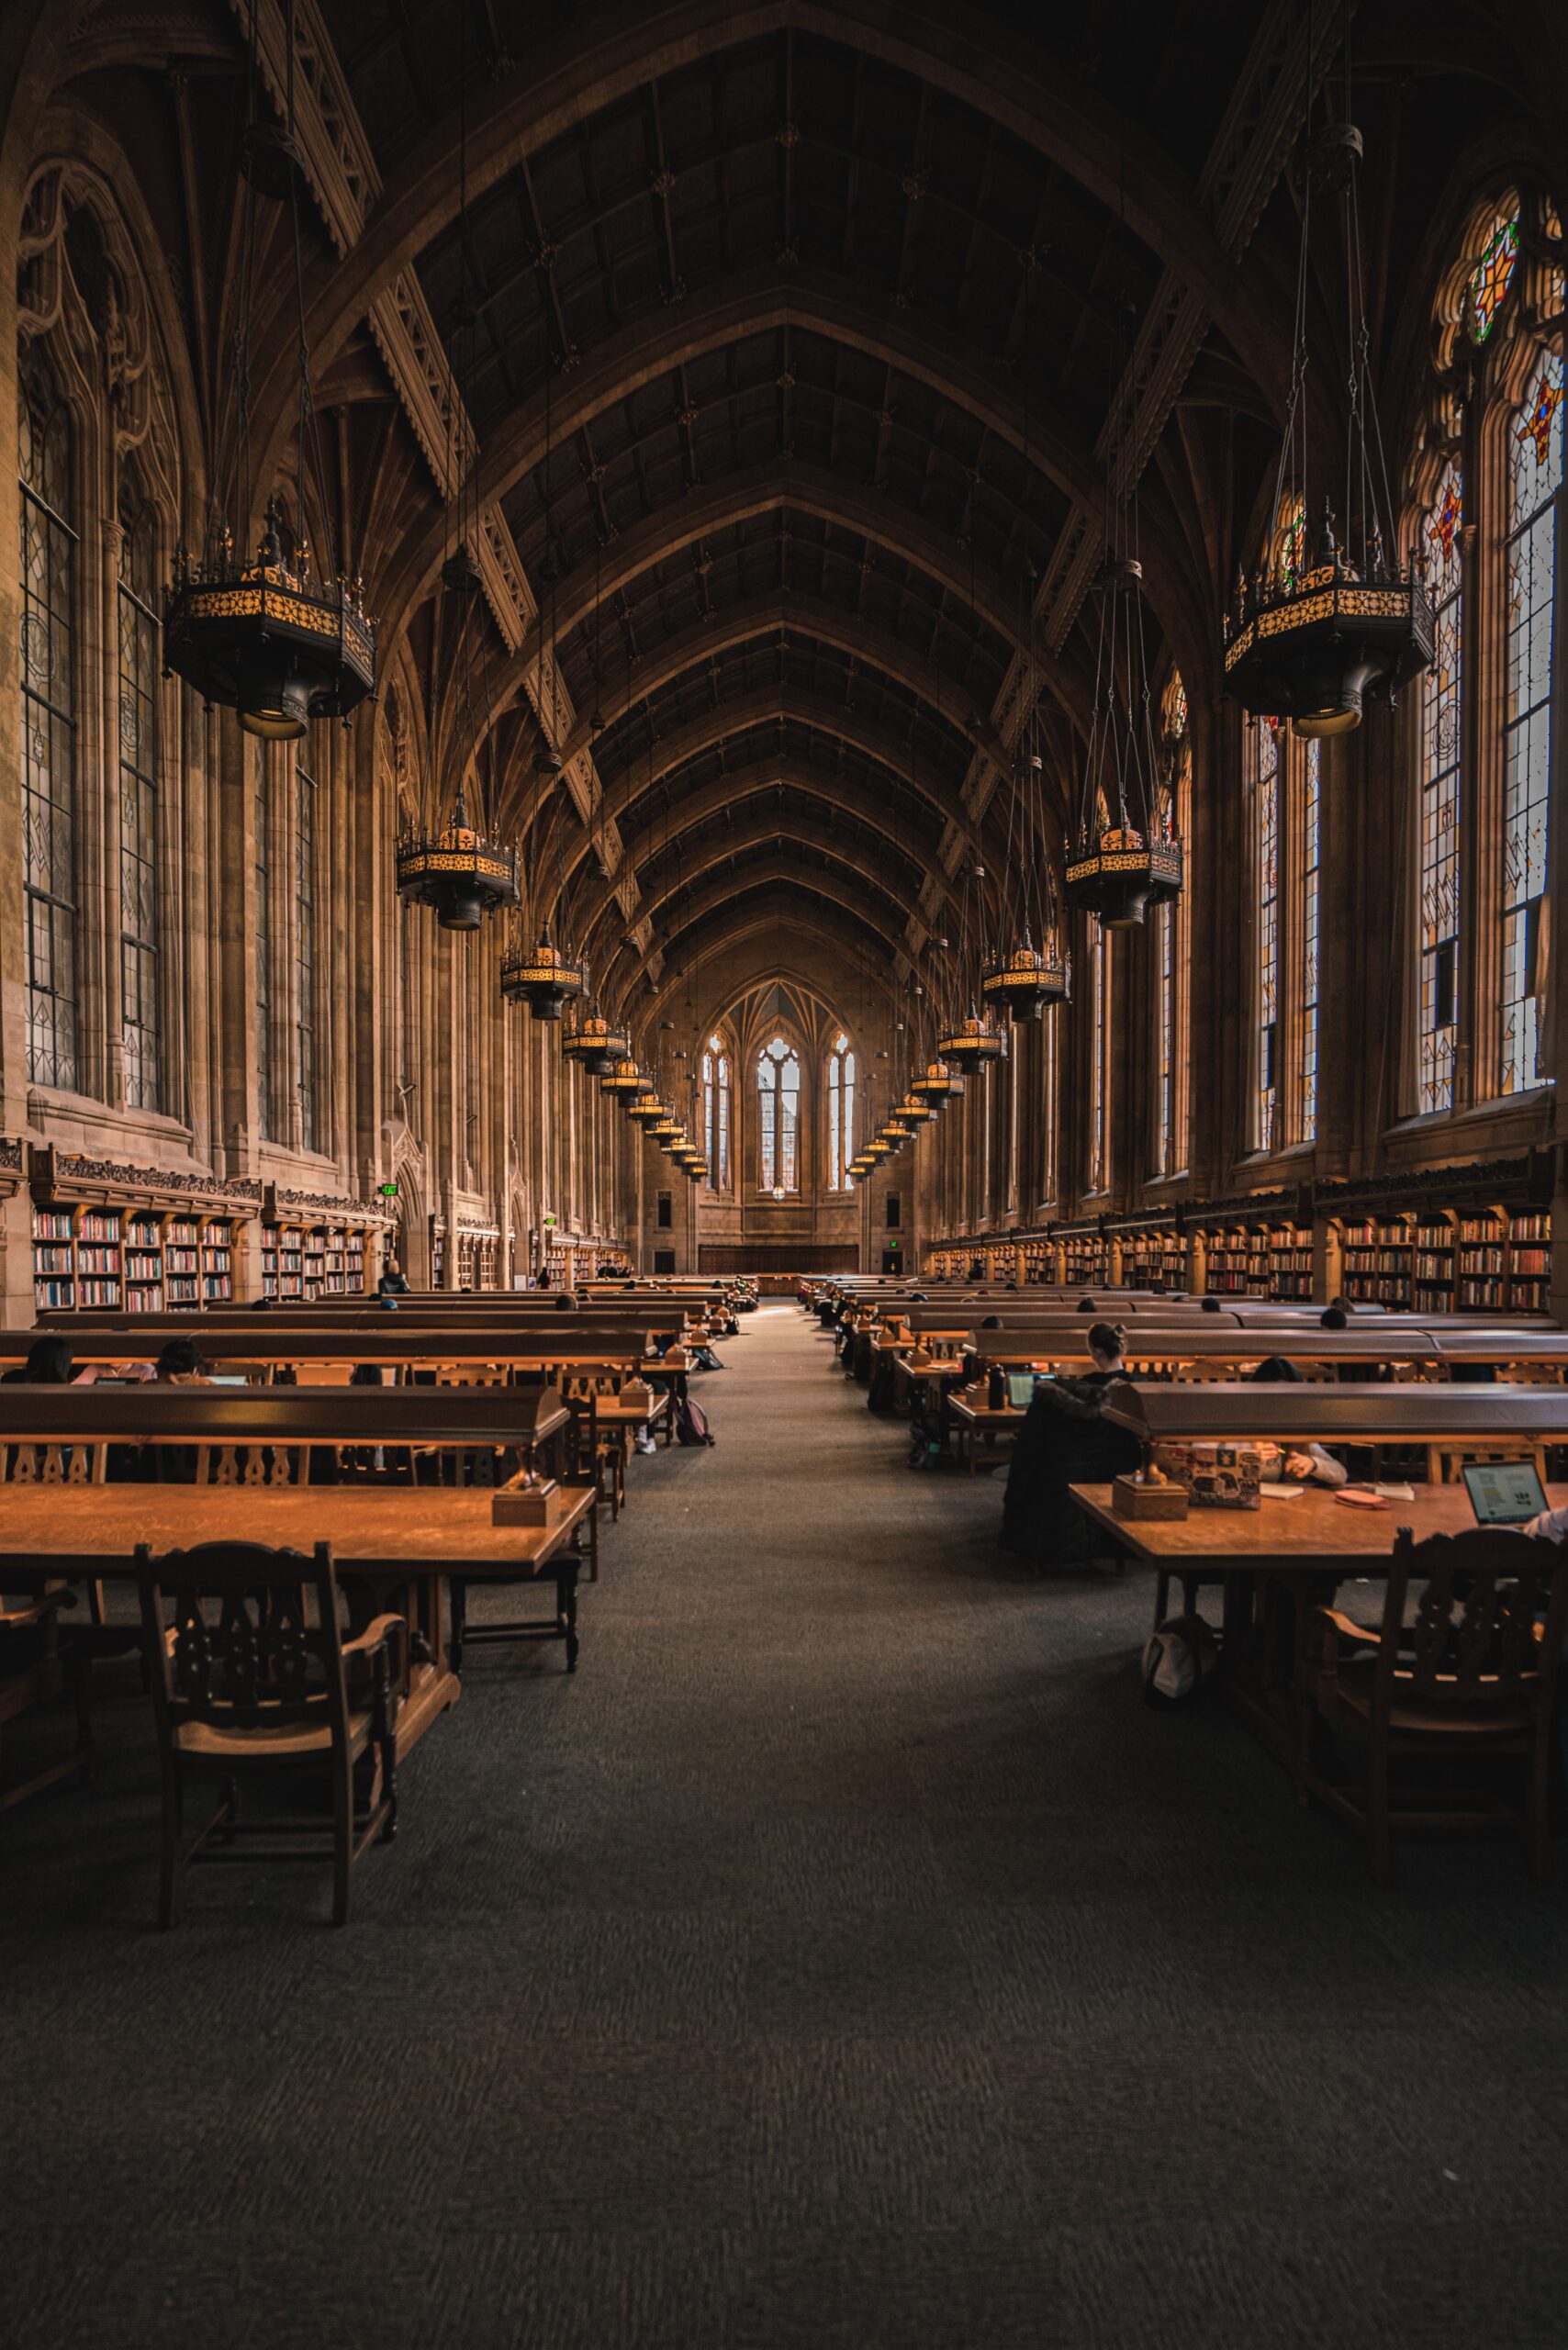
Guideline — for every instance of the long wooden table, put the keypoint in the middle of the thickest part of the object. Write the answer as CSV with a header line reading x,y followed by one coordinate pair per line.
x,y
395,1550
1274,1564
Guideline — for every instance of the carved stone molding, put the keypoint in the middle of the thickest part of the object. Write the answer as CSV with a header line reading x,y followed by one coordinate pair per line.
x,y
411,344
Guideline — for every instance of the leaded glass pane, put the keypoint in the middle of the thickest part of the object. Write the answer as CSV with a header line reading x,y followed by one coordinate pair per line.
x,y
1310,847
1535,477
1437,851
47,714
305,951
139,807
1266,836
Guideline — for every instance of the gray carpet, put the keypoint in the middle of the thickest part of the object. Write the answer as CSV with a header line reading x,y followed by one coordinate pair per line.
x,y
844,1957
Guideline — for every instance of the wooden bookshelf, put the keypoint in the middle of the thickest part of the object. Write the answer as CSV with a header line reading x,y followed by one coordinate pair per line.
x,y
1155,1261
1530,1262
143,1262
1379,1262
1435,1268
1290,1262
54,1259
1239,1262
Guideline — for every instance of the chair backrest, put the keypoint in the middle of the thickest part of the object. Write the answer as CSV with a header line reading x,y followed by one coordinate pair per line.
x,y
52,1464
1489,1620
226,1628
252,1464
1444,1462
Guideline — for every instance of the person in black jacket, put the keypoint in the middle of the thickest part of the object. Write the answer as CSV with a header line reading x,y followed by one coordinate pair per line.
x,y
1065,1441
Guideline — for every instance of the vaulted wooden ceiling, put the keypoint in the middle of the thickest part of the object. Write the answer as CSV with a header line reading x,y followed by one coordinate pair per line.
x,y
776,343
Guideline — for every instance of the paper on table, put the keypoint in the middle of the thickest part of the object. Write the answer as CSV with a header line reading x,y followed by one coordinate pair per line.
x,y
1395,1492
1273,1492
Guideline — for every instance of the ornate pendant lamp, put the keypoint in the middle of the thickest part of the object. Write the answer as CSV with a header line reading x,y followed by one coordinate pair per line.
x,y
938,1085
912,1113
1315,637
645,1109
1026,981
278,638
1123,855
624,1081
447,859
594,1042
463,873
971,1045
540,976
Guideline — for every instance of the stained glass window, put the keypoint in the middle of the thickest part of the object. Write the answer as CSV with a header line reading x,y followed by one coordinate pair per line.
x,y
139,799
1490,279
48,727
840,1113
1311,809
305,951
1099,1045
1171,947
262,864
1289,543
716,1113
1535,479
1442,690
779,1108
1265,749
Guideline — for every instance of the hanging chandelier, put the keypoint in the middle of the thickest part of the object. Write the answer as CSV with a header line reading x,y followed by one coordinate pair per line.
x,y
595,1043
1026,981
645,1109
624,1081
912,1113
463,873
1314,638
445,858
540,976
971,1045
938,1085
279,639
1123,855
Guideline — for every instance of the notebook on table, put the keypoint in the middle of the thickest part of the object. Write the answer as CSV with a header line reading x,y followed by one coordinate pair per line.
x,y
1504,1492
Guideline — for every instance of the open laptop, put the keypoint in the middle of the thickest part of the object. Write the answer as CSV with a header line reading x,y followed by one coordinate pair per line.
x,y
1021,1388
1504,1492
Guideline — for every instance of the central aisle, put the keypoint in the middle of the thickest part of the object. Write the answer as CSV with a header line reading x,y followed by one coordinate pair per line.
x,y
844,1959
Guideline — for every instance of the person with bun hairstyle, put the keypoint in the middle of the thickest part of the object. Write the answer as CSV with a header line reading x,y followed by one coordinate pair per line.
x,y
1065,1441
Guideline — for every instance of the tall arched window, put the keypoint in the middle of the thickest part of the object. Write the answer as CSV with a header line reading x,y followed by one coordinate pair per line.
x,y
1099,1050
1439,871
1171,956
778,1115
48,726
1535,479
1307,1064
262,941
305,953
1264,746
840,1113
716,1112
139,799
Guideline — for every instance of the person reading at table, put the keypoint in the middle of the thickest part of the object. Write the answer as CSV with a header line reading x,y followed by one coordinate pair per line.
x,y
50,1363
181,1365
1295,1464
1066,1441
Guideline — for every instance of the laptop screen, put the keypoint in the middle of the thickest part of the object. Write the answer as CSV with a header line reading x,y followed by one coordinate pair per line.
x,y
1020,1389
1504,1492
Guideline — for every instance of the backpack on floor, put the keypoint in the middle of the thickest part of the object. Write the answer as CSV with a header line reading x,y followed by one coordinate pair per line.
x,y
1177,1659
691,1423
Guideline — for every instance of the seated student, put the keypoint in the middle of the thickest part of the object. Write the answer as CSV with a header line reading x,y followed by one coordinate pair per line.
x,y
1208,1306
1087,1306
1064,1441
50,1363
1300,1464
1334,1317
565,1302
180,1365
392,1282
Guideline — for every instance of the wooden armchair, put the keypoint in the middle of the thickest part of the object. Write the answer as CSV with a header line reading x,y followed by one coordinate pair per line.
x,y
243,1680
1444,1462
1471,1678
32,1670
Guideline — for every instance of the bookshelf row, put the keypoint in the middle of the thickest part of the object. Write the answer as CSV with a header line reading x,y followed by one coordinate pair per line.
x,y
139,1260
1439,1261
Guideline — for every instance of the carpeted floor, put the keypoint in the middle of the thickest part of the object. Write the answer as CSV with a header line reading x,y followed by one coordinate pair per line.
x,y
844,1957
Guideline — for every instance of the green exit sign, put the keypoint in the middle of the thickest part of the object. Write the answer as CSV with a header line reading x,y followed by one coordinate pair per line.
x,y
389,1190
549,1220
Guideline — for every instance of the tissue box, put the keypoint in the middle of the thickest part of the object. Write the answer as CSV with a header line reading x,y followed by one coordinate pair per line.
x,y
515,1503
1214,1476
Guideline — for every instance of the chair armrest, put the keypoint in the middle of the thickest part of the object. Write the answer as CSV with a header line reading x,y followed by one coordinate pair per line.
x,y
1326,1629
375,1633
17,1619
